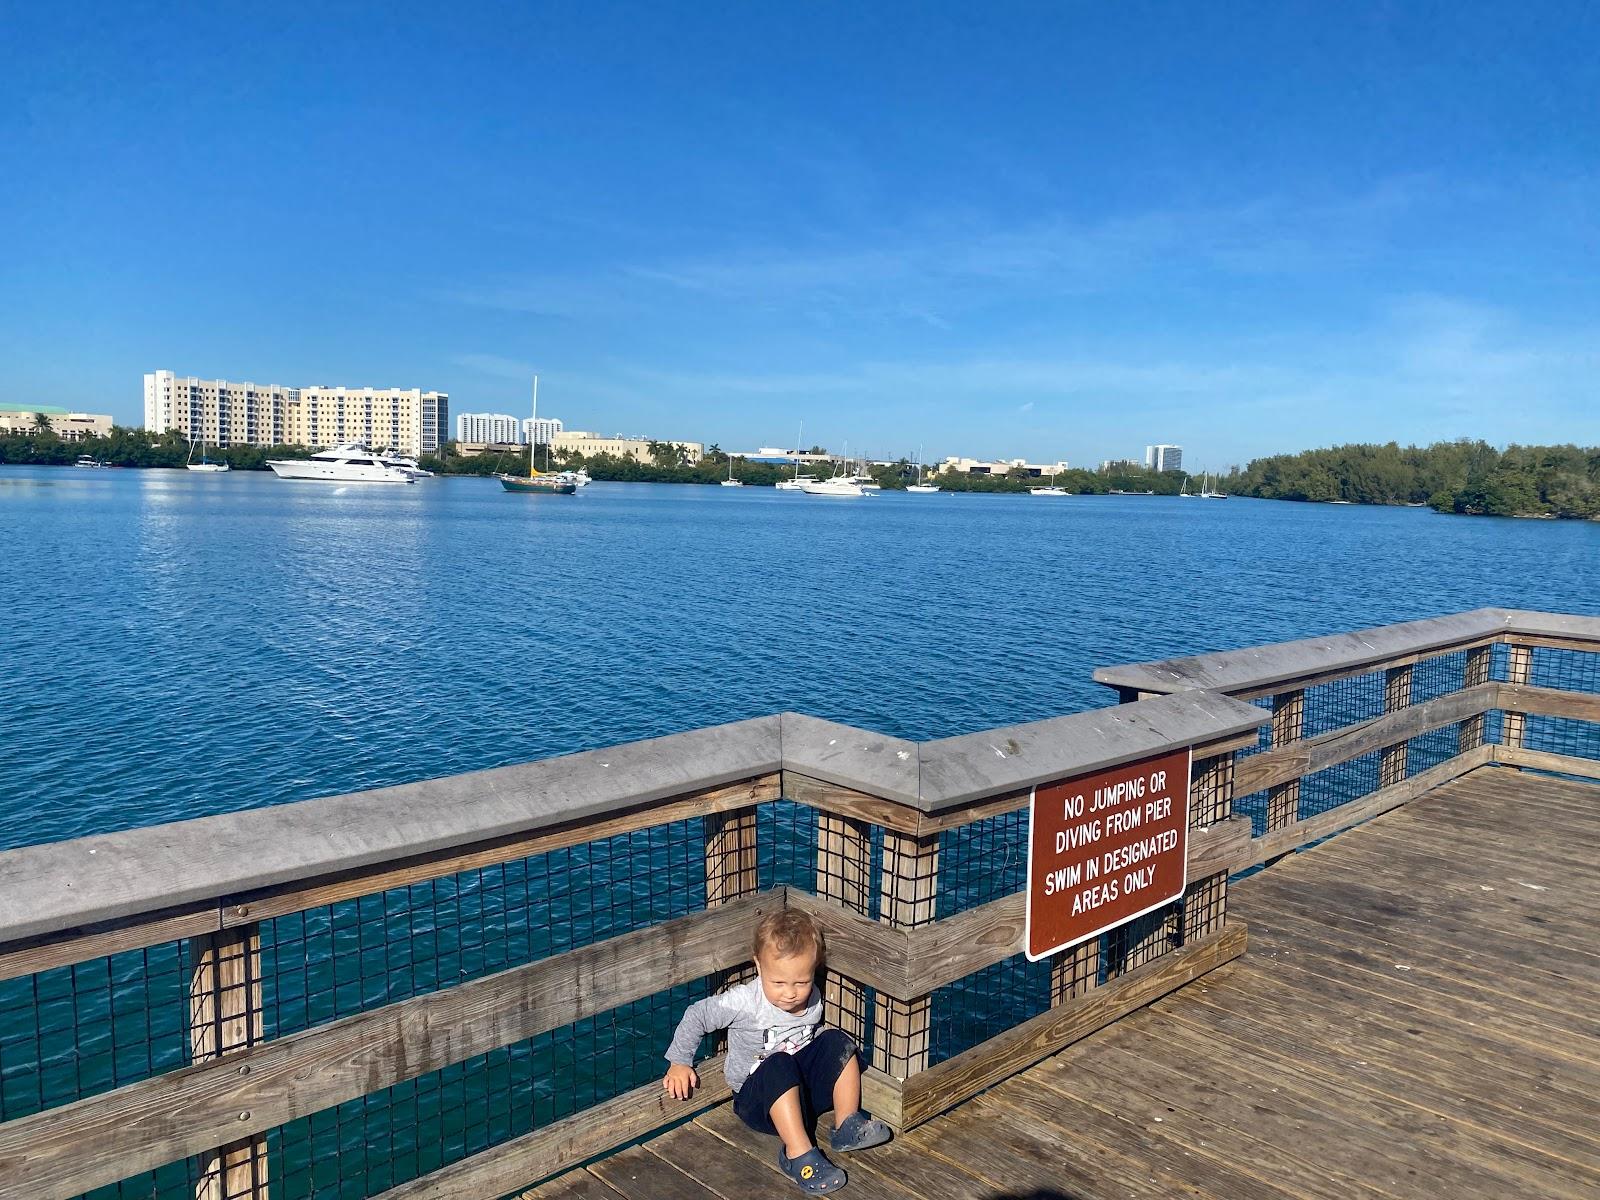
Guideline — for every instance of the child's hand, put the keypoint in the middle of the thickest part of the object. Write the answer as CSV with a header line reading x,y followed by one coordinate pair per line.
x,y
680,1081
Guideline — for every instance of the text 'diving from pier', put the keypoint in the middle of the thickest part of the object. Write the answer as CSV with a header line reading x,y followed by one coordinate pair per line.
x,y
1105,848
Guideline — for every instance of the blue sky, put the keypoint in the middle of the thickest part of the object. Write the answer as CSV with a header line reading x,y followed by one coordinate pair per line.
x,y
1000,229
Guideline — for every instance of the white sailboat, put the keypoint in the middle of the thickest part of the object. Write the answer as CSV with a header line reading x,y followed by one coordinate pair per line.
x,y
1183,490
1210,493
1052,490
730,481
798,482
205,464
919,488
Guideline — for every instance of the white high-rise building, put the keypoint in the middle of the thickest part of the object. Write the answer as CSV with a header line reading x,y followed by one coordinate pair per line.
x,y
1163,458
488,427
541,431
410,421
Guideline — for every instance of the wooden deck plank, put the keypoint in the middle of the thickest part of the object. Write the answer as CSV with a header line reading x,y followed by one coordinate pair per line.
x,y
753,1157
1135,1088
1507,1004
1455,938
1078,1121
1438,1068
1392,1143
637,1174
574,1185
1016,1157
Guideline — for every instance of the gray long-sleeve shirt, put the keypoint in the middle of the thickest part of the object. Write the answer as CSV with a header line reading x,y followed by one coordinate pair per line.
x,y
756,1028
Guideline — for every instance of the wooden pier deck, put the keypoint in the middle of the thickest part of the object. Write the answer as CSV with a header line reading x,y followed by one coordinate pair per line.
x,y
1418,1015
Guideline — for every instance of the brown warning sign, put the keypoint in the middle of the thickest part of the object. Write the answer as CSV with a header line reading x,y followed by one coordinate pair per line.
x,y
1105,848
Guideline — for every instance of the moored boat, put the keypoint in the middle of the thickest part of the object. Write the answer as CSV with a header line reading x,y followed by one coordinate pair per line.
x,y
533,482
350,463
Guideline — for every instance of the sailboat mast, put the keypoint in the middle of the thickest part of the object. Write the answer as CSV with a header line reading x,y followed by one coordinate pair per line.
x,y
533,430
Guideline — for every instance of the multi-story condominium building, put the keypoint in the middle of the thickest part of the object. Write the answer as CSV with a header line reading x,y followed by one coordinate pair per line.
x,y
1163,458
488,427
541,431
234,414
68,426
578,441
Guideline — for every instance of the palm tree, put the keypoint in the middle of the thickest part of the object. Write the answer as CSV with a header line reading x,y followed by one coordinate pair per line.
x,y
41,423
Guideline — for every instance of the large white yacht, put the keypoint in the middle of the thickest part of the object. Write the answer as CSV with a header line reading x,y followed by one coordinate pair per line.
x,y
343,464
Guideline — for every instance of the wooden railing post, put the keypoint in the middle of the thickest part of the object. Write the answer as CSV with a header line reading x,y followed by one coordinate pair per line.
x,y
1288,725
1469,734
844,867
1519,669
225,1016
731,867
1392,760
910,888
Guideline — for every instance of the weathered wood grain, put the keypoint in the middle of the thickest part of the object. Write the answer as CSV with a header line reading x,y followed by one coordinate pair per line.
x,y
1280,841
544,1152
77,1147
303,894
941,1087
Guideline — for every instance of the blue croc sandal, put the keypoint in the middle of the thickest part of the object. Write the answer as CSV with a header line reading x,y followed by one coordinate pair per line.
x,y
858,1131
812,1172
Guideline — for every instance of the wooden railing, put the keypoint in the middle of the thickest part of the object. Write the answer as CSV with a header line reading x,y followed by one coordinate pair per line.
x,y
358,954
1410,703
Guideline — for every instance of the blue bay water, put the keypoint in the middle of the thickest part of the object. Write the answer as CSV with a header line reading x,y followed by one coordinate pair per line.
x,y
179,645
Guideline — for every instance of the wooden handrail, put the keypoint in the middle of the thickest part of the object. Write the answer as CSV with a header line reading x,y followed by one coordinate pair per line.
x,y
139,887
1282,666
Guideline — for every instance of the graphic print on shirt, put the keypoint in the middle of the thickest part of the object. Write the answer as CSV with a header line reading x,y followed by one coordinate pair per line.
x,y
786,1039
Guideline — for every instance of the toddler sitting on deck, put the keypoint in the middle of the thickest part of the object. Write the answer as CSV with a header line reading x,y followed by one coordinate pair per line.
x,y
782,1066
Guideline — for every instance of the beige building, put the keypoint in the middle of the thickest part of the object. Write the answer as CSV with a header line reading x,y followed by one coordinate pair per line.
x,y
1008,466
68,426
578,441
249,414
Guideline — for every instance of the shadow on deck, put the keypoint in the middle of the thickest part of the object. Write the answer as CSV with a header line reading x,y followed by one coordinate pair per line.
x,y
1416,1017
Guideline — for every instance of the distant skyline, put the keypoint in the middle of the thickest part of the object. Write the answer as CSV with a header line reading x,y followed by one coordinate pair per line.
x,y
1012,230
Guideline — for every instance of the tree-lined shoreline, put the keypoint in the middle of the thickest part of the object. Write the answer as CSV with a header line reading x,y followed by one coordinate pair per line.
x,y
1464,477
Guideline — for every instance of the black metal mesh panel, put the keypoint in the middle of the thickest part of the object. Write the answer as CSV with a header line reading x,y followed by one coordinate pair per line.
x,y
1342,702
976,1007
982,861
344,958
1562,735
786,840
1339,784
175,1181
80,1030
365,1146
1437,676
1567,670
1142,940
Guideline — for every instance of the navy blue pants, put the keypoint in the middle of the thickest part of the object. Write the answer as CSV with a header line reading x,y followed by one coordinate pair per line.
x,y
814,1070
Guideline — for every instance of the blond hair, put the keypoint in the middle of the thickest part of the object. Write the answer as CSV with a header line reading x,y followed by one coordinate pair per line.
x,y
787,932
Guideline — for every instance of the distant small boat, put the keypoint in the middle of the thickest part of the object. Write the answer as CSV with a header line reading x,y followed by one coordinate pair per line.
x,y
1207,493
89,460
797,484
730,481
919,488
407,464
533,482
1183,490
